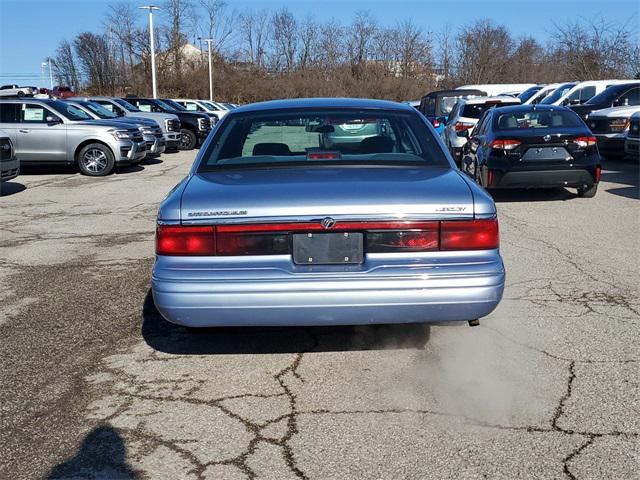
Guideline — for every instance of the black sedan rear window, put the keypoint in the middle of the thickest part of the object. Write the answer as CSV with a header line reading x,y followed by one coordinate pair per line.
x,y
322,137
475,110
540,119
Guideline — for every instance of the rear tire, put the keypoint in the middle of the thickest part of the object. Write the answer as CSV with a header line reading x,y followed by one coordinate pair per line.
x,y
96,160
188,140
588,192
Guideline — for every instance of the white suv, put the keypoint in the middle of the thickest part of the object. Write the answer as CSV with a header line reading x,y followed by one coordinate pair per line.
x,y
464,116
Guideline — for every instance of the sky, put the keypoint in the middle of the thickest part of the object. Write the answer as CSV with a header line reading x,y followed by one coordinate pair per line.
x,y
32,29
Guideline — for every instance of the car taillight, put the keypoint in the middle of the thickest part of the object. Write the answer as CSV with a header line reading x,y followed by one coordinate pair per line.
x,y
435,122
584,142
462,126
185,240
274,239
598,173
425,239
505,144
469,234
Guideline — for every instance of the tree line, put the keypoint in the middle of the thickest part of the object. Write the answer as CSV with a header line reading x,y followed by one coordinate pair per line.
x,y
259,55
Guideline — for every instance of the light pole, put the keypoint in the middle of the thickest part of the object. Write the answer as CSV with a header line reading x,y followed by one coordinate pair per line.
x,y
209,40
43,65
151,8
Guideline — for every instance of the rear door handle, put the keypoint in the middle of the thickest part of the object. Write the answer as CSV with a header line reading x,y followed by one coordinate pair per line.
x,y
24,131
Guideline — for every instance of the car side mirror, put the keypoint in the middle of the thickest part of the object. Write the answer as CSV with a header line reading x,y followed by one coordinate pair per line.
x,y
52,119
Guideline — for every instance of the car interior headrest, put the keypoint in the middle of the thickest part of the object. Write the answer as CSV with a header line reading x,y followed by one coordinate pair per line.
x,y
377,144
271,149
508,121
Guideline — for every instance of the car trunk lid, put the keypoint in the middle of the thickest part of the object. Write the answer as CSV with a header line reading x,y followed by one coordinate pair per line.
x,y
249,195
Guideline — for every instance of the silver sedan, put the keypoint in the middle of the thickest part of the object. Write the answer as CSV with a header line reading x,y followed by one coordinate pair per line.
x,y
279,223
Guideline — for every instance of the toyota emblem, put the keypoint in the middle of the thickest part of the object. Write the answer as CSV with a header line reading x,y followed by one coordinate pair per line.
x,y
546,138
327,223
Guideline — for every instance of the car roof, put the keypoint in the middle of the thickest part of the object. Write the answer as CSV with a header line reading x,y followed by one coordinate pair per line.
x,y
324,103
481,100
455,92
532,108
30,100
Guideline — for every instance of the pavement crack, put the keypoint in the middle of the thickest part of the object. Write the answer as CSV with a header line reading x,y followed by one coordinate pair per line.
x,y
575,453
561,404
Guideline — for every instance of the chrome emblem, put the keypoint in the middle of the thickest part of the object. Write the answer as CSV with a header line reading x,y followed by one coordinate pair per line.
x,y
328,223
546,138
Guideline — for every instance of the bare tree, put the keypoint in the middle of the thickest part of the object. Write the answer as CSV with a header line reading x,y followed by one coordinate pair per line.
x,y
254,36
360,37
219,22
414,50
331,43
284,28
179,13
594,49
309,35
483,51
93,54
64,65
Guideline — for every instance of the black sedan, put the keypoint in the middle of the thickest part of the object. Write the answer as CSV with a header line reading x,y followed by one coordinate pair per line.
x,y
533,146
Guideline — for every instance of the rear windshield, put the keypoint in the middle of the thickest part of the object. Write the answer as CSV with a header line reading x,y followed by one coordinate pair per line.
x,y
323,138
532,119
477,109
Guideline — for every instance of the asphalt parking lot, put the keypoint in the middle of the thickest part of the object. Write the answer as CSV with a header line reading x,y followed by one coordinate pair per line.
x,y
96,385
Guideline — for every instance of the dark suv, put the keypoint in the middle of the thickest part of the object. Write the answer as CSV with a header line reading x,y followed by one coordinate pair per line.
x,y
194,126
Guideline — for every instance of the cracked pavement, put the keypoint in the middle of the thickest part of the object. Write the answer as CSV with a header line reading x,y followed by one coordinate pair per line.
x,y
96,385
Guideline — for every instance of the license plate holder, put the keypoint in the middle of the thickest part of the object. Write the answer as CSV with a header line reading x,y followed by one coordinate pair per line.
x,y
328,248
546,153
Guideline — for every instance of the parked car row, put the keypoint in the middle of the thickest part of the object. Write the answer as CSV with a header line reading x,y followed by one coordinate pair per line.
x,y
98,133
606,106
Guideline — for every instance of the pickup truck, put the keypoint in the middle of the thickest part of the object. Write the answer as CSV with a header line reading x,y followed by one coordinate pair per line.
x,y
17,91
169,123
54,132
151,131
194,126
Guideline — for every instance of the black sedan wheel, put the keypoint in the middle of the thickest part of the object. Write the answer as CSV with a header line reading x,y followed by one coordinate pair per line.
x,y
188,140
588,192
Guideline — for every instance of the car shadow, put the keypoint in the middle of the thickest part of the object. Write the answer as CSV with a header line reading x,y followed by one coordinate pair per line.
x,y
167,337
102,454
48,169
151,161
125,169
622,172
531,195
10,188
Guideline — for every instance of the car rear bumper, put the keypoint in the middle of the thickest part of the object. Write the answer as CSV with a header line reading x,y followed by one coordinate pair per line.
x,y
578,177
9,169
432,290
